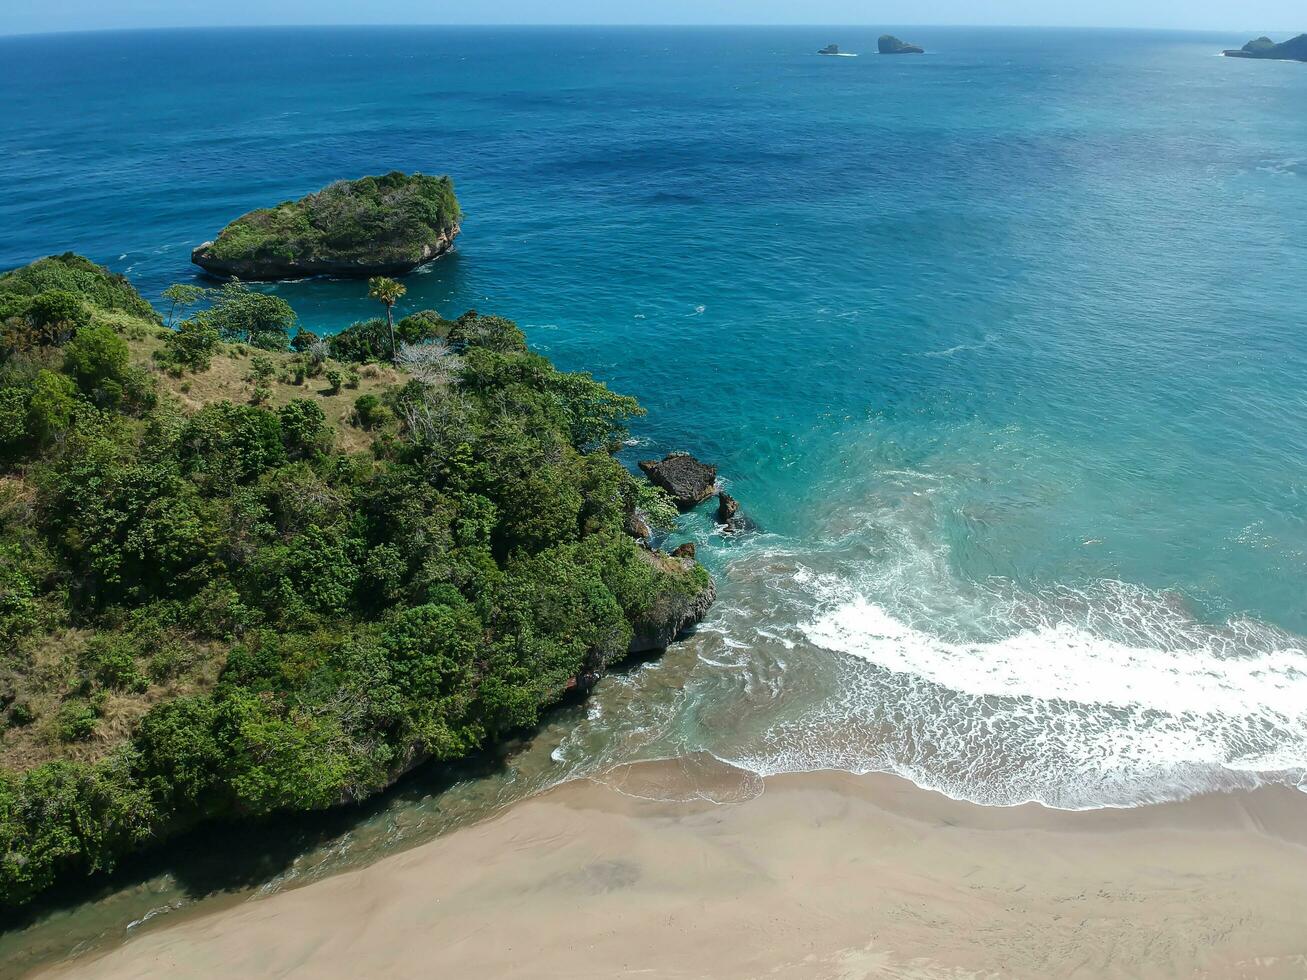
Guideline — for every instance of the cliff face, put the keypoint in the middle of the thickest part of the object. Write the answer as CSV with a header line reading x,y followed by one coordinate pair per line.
x,y
271,268
1295,49
386,225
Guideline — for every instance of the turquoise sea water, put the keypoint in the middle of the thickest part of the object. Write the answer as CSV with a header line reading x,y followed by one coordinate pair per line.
x,y
1003,346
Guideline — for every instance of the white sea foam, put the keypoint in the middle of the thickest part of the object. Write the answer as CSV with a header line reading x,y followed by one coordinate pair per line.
x,y
1106,697
1065,662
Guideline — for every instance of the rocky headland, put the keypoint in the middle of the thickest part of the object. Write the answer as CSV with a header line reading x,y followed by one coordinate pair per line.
x,y
1294,49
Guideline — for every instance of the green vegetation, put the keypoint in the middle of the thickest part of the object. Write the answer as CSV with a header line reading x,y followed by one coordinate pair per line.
x,y
71,274
396,220
212,608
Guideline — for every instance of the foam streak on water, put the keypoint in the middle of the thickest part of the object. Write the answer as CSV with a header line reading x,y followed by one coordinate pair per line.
x,y
1088,717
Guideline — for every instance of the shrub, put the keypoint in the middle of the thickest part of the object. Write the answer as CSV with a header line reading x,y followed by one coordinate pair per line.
x,y
224,445
111,660
51,406
370,413
97,356
192,344
76,721
21,714
304,428
58,313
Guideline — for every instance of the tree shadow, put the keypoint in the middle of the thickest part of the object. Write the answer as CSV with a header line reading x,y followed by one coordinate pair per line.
x,y
228,857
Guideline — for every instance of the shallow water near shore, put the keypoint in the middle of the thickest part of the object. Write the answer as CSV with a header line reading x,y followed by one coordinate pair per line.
x,y
1003,348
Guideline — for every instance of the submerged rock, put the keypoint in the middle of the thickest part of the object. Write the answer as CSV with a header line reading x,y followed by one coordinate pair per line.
x,y
889,44
687,481
1294,49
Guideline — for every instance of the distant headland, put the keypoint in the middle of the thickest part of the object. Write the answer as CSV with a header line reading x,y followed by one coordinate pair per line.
x,y
1295,49
889,44
375,226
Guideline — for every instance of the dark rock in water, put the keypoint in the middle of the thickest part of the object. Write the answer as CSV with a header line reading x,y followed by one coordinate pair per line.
x,y
830,49
727,508
889,44
1294,49
730,517
688,481
684,551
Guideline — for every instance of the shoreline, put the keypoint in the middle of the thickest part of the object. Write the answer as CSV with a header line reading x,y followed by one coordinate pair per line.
x,y
690,868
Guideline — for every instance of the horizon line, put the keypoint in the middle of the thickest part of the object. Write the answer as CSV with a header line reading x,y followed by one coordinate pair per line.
x,y
629,26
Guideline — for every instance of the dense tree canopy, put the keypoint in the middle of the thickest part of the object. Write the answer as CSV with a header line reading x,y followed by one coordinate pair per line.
x,y
213,611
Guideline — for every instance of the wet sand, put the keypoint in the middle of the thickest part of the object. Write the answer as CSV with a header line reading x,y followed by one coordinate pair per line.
x,y
691,869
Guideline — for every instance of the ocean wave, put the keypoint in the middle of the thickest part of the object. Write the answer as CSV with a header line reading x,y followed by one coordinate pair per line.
x,y
1112,695
866,652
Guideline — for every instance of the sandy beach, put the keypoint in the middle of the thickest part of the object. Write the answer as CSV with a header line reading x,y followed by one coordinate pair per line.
x,y
692,869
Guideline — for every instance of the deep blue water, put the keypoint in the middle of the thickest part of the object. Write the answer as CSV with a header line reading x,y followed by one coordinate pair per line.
x,y
1004,346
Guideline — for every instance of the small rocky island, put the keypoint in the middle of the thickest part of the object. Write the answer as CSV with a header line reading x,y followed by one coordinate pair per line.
x,y
375,226
832,49
1294,49
889,44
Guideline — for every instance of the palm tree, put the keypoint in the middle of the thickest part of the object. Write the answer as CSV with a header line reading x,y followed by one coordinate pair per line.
x,y
387,291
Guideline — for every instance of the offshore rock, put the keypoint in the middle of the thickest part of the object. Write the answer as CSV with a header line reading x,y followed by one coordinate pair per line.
x,y
272,268
727,508
374,226
730,517
687,481
684,551
889,44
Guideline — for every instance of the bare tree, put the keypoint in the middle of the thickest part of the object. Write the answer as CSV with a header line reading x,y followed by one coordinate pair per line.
x,y
440,414
434,364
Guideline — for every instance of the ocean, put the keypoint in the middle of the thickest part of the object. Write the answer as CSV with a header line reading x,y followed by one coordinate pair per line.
x,y
1003,347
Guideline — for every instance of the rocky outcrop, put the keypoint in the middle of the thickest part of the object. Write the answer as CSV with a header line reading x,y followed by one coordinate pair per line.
x,y
731,519
1294,49
686,550
830,49
687,481
637,527
889,44
727,508
676,610
304,267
